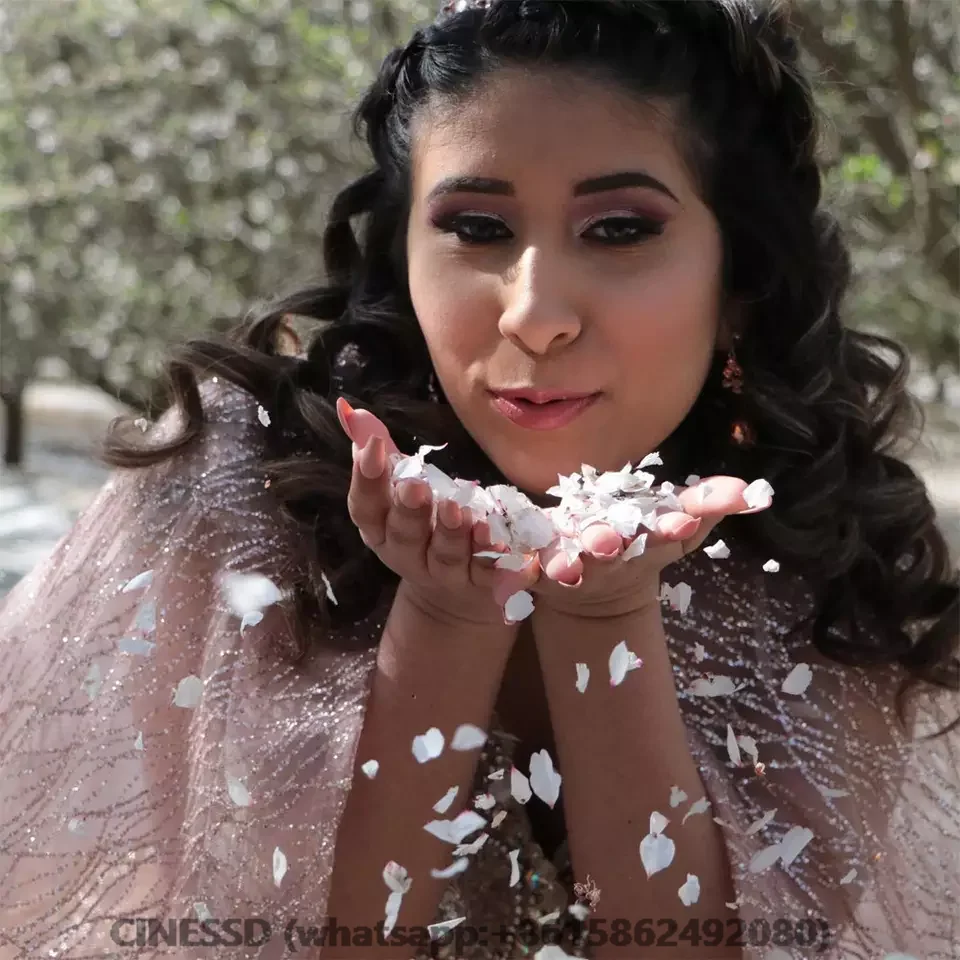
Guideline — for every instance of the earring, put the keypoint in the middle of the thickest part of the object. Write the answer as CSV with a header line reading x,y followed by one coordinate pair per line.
x,y
732,371
432,389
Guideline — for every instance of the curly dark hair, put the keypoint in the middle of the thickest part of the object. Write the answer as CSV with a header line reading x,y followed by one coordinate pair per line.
x,y
826,404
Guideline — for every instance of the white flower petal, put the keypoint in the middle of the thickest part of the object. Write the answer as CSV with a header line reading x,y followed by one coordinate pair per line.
x,y
468,737
717,551
733,748
439,930
690,891
764,859
771,566
658,822
238,792
189,692
793,843
371,768
552,952
544,780
469,849
636,548
514,867
446,801
712,687
758,825
140,580
138,743
518,607
138,646
798,680
699,652
583,677
618,663
328,587
656,852
202,912
678,597
428,746
396,877
758,494
833,793
749,746
455,868
484,801
677,796
391,911
456,830
498,818
249,592
93,681
519,786
496,774
263,416
697,807
579,910
849,877
279,865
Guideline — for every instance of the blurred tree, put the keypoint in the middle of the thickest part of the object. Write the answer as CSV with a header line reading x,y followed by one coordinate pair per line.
x,y
163,164
888,72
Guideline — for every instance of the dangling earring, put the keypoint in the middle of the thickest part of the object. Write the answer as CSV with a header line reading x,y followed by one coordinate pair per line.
x,y
741,433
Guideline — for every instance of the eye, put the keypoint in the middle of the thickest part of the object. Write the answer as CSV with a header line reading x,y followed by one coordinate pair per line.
x,y
474,228
624,230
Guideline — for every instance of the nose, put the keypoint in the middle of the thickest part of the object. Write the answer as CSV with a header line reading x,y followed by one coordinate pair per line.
x,y
537,315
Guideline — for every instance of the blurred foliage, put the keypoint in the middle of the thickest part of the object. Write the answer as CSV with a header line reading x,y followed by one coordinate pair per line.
x,y
164,163
888,78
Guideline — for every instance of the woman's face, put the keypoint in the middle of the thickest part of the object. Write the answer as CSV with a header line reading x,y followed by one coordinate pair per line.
x,y
556,243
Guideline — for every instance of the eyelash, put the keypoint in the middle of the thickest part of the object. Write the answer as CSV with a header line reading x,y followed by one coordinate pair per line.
x,y
644,228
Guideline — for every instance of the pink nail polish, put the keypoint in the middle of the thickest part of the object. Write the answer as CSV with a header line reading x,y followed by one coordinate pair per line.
x,y
344,413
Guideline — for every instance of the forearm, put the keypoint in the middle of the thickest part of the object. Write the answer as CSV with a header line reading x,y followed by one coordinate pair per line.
x,y
620,750
428,674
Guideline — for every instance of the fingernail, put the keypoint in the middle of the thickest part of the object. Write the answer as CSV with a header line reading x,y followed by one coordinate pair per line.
x,y
372,460
604,556
450,515
344,413
763,506
569,586
409,495
681,529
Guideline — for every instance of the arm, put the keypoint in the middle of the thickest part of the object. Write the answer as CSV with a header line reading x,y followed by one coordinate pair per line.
x,y
620,752
428,674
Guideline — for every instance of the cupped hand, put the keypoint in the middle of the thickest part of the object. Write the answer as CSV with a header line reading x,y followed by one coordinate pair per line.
x,y
600,582
431,550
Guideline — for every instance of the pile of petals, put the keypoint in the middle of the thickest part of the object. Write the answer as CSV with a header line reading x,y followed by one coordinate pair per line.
x,y
625,499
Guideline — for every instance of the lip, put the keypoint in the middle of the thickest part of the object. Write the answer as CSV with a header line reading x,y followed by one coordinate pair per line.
x,y
542,409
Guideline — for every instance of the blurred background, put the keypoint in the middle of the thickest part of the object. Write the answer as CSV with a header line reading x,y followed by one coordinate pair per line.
x,y
165,163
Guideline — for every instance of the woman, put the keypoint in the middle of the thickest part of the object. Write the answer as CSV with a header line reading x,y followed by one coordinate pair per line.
x,y
263,662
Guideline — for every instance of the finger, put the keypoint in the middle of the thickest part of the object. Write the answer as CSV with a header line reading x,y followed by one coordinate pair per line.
x,y
361,425
508,582
557,566
448,555
368,500
601,541
715,498
409,519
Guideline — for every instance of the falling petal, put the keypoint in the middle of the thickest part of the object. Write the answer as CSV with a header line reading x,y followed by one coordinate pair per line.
x,y
757,494
496,774
514,867
455,868
446,801
328,588
764,859
799,679
518,607
390,912
749,746
699,652
619,660
849,877
142,424
498,818
712,687
468,737
250,619
188,693
544,780
484,801
793,843
138,743
583,677
249,592
552,952
469,849
519,786
733,749
758,825
458,829
834,794
93,681
656,852
677,796
140,580
263,416
76,825
136,645
548,917
692,480
678,597
396,877
717,551
203,914
579,910
698,806
771,566
899,956
658,822
650,460
279,866
238,792
636,548
147,617
428,746
371,768
690,891
439,930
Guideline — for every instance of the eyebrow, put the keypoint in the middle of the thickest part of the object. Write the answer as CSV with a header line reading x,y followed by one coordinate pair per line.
x,y
503,188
